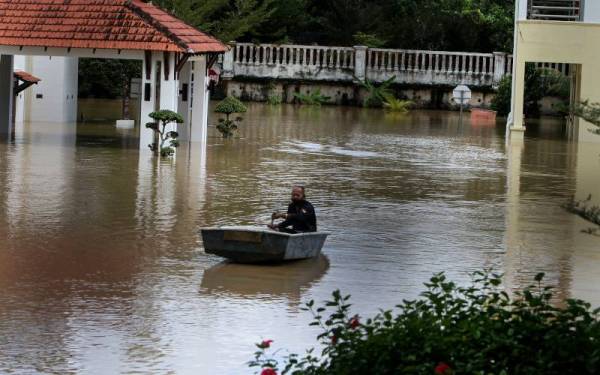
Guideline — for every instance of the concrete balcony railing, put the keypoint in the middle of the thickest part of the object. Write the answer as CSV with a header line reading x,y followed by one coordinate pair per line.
x,y
556,10
345,64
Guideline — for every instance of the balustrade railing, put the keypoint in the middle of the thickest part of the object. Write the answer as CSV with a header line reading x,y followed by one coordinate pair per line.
x,y
269,54
439,62
556,10
349,63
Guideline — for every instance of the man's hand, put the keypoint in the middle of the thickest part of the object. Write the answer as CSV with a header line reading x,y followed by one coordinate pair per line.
x,y
273,227
278,215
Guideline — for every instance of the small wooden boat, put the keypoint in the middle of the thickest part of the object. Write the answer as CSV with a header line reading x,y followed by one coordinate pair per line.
x,y
261,245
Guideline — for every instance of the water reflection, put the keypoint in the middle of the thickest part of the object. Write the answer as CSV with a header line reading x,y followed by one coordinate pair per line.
x,y
102,269
289,280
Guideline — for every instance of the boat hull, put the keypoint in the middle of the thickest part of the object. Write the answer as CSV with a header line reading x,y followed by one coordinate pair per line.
x,y
258,245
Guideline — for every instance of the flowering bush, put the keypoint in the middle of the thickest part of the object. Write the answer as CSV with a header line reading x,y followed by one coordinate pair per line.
x,y
478,329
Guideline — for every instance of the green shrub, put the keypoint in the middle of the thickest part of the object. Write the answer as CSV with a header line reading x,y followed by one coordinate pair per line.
x,y
230,105
502,100
312,98
161,119
590,112
538,84
478,329
274,99
376,94
393,104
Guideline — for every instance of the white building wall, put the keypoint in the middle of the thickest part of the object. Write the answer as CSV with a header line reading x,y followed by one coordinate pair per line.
x,y
54,99
20,64
591,11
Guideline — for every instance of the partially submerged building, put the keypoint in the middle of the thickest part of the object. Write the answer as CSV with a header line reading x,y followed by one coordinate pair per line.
x,y
46,38
558,31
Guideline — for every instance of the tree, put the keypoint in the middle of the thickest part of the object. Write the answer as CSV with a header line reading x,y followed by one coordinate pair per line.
x,y
227,20
161,119
229,106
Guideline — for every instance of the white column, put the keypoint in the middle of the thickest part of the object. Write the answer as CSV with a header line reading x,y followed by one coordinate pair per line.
x,y
148,104
169,86
6,95
200,96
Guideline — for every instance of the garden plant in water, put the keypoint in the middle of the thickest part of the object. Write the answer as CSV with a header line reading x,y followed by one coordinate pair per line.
x,y
478,329
163,118
229,106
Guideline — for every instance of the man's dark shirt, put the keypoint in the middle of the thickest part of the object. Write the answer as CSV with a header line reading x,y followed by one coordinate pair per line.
x,y
301,216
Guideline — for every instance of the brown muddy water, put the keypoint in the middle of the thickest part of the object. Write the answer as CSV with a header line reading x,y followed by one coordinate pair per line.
x,y
102,270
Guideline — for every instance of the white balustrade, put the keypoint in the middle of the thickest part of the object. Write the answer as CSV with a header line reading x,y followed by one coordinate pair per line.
x,y
323,63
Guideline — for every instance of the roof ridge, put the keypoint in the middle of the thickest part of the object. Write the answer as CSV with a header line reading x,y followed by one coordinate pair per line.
x,y
138,9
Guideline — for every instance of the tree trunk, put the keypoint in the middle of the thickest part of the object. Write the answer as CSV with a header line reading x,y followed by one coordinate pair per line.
x,y
126,93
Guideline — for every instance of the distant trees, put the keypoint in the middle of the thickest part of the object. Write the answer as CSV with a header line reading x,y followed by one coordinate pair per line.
x,y
458,25
453,25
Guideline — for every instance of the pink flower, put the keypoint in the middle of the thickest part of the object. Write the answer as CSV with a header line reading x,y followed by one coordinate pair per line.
x,y
266,344
443,369
268,371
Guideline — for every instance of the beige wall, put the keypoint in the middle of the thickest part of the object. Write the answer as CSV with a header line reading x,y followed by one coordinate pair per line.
x,y
559,42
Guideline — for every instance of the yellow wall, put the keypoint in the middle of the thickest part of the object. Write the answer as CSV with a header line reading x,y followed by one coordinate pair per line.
x,y
559,42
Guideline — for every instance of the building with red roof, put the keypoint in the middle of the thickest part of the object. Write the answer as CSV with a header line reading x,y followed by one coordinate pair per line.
x,y
61,31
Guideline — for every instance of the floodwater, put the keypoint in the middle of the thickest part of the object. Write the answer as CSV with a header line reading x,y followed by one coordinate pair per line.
x,y
102,270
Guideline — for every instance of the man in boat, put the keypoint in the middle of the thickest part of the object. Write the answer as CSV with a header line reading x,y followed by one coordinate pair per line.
x,y
300,215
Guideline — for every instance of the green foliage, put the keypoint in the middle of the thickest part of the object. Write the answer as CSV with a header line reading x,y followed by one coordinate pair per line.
x,y
590,112
393,104
229,106
502,100
478,329
538,84
166,116
167,140
376,93
312,98
274,99
106,78
369,40
456,25
227,20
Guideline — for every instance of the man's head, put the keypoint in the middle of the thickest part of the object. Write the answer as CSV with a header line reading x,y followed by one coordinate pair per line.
x,y
298,193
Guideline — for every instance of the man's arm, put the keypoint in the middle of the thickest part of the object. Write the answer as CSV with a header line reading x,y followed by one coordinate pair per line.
x,y
288,218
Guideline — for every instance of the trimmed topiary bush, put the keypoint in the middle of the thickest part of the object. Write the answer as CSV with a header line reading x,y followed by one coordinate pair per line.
x,y
163,118
229,106
478,329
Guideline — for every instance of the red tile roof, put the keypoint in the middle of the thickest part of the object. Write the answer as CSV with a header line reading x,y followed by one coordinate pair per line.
x,y
26,77
102,24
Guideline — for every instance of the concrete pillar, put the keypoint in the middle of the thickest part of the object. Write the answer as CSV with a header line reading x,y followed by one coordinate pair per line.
x,y
516,118
6,95
360,65
149,100
200,96
184,101
228,71
499,67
